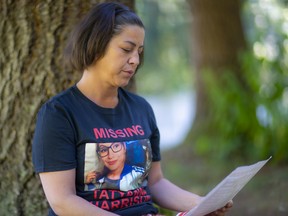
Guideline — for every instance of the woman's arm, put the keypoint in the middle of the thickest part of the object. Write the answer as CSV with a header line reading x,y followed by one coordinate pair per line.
x,y
59,188
169,196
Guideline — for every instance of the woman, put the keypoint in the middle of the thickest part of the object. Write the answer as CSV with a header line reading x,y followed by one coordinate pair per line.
x,y
107,47
116,172
113,156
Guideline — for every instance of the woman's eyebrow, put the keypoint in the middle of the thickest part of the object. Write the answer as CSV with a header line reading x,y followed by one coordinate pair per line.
x,y
133,44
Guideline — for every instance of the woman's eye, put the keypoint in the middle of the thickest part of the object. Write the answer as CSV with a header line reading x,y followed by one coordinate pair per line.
x,y
103,150
126,50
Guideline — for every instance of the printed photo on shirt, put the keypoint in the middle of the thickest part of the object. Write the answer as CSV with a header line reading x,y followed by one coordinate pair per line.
x,y
117,165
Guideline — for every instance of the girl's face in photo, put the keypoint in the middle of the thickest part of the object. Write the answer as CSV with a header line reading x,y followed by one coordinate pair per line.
x,y
113,155
121,58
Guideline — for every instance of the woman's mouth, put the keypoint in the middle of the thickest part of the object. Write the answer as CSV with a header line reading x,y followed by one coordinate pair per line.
x,y
112,162
130,72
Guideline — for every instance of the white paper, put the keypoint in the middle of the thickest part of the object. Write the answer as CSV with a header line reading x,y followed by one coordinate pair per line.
x,y
226,189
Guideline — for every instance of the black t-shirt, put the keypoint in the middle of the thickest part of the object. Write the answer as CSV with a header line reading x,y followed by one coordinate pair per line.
x,y
72,132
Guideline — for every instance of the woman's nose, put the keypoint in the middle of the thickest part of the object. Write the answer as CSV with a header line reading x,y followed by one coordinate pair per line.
x,y
109,153
134,59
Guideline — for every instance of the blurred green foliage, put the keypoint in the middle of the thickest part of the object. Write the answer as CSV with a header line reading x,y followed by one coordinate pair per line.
x,y
243,124
266,70
167,50
231,129
250,120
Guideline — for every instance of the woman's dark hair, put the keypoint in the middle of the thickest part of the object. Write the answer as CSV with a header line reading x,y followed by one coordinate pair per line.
x,y
91,36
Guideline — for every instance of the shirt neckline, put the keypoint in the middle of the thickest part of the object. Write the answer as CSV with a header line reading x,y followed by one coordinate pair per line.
x,y
96,106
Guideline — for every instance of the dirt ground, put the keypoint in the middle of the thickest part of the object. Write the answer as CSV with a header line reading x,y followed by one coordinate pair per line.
x,y
266,194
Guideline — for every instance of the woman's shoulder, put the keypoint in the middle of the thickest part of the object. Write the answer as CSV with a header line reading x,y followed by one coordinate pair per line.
x,y
58,101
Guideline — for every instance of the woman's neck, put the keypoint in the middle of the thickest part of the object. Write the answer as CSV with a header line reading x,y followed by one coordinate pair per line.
x,y
115,174
100,94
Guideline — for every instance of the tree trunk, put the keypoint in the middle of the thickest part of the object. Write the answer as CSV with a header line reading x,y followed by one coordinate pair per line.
x,y
217,41
33,35
217,38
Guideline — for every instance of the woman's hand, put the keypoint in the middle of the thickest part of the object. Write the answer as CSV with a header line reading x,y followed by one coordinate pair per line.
x,y
220,212
90,176
223,210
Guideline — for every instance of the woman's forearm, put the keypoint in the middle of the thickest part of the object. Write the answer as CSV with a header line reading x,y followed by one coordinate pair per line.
x,y
59,188
170,196
75,205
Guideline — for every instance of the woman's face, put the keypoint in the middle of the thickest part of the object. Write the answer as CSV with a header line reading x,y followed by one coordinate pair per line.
x,y
113,155
118,65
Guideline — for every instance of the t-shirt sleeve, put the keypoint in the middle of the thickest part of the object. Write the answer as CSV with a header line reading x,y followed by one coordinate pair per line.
x,y
53,147
155,145
155,137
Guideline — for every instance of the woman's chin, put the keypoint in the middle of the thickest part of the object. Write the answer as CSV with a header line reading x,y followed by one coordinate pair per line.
x,y
124,84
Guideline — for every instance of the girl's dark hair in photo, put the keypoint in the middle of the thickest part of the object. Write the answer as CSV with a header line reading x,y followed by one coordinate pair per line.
x,y
89,39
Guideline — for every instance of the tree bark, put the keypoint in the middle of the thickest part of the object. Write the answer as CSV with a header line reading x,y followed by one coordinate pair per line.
x,y
33,36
